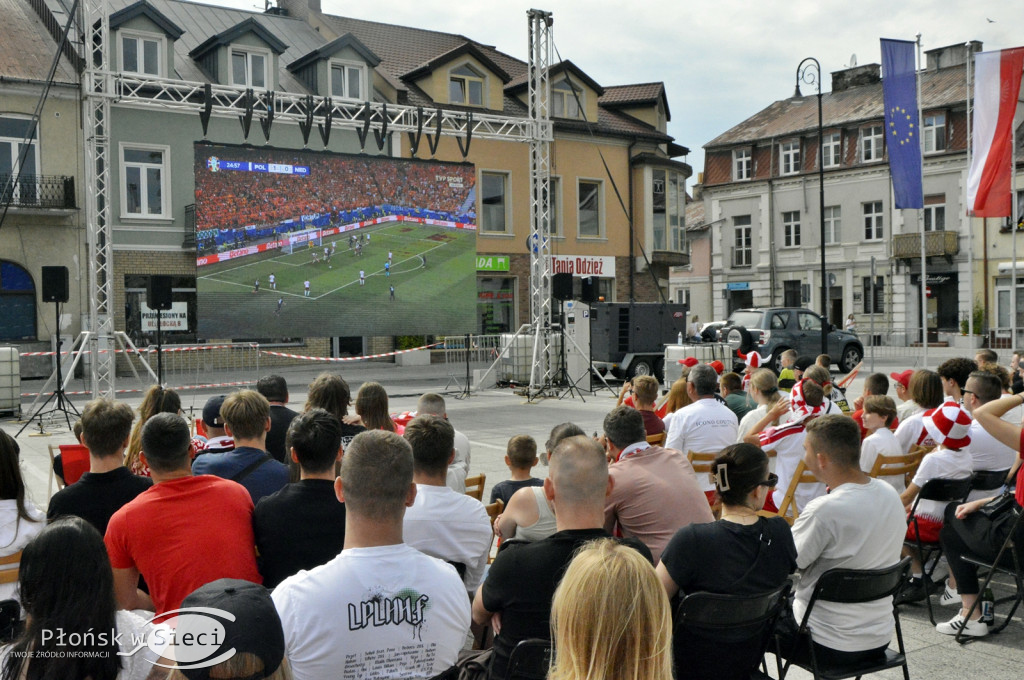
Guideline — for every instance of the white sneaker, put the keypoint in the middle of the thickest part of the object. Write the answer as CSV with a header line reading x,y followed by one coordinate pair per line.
x,y
949,597
958,623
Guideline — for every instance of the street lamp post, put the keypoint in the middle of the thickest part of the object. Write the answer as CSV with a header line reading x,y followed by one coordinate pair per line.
x,y
809,71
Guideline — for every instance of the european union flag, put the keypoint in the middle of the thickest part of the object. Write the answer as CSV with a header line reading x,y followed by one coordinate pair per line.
x,y
902,127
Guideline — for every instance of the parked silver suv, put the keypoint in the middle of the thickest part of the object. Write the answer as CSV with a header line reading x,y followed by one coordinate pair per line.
x,y
773,330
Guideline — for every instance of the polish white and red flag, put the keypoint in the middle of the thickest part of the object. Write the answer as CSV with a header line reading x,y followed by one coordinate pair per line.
x,y
997,78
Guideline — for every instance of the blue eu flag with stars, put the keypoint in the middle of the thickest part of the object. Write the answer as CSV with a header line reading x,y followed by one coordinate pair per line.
x,y
902,127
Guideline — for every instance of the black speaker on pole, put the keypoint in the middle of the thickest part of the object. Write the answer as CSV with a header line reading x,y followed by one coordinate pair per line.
x,y
588,289
561,286
55,284
158,292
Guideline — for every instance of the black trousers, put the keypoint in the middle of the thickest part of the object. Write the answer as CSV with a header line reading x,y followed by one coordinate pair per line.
x,y
975,535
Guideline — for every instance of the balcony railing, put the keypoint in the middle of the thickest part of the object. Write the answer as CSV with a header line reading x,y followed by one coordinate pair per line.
x,y
936,244
38,191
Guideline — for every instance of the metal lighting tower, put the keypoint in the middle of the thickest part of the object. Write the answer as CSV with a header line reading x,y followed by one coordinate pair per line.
x,y
809,71
539,97
96,84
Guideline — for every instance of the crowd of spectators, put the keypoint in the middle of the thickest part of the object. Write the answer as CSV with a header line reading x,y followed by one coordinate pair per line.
x,y
370,545
236,209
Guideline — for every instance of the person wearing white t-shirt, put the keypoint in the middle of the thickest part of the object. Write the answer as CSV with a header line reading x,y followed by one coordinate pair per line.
x,y
451,526
273,282
787,440
380,609
432,403
706,425
362,277
305,287
859,525
949,426
878,414
987,453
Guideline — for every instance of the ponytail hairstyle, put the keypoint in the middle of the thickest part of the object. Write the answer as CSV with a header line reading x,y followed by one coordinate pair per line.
x,y
738,470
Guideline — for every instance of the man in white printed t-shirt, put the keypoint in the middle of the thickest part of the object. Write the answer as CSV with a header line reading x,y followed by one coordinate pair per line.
x,y
380,609
451,526
705,426
859,525
987,454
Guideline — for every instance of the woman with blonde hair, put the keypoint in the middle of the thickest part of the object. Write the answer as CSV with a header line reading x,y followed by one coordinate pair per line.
x,y
156,400
610,618
764,389
677,397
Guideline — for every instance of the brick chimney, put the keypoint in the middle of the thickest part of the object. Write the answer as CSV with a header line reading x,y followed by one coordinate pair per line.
x,y
856,77
951,55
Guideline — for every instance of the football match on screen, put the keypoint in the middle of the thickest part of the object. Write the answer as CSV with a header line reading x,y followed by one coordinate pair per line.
x,y
305,243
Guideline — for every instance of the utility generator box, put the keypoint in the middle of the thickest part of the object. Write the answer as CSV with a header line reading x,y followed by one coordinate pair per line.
x,y
632,336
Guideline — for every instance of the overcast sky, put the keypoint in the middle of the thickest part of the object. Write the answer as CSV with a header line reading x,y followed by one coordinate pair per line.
x,y
721,61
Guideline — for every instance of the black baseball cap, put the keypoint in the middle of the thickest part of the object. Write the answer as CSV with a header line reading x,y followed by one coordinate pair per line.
x,y
256,629
211,411
804,362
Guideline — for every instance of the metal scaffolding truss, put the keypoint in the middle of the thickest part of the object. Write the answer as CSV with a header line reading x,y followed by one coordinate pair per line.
x,y
539,97
102,87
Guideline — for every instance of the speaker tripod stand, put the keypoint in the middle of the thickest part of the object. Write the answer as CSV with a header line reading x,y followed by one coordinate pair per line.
x,y
61,403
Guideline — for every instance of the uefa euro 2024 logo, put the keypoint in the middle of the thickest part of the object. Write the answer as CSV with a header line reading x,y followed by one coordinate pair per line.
x,y
213,164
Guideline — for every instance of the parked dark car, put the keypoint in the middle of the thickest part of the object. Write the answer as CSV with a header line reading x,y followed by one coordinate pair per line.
x,y
773,330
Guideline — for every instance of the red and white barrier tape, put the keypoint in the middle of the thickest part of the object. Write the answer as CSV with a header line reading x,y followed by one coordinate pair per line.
x,y
178,388
369,356
143,350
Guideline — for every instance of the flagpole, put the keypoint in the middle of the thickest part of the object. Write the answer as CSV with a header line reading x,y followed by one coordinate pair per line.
x,y
970,230
1013,226
920,212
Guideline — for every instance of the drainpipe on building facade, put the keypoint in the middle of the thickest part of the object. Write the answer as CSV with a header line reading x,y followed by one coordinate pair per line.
x,y
771,225
632,228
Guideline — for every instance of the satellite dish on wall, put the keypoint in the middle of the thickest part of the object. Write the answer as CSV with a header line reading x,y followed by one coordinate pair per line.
x,y
853,60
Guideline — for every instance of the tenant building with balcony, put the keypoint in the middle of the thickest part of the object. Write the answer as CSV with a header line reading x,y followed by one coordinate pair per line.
x,y
761,200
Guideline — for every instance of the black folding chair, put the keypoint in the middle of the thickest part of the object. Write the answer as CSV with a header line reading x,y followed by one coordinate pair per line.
x,y
989,480
943,491
530,660
854,586
724,637
1014,548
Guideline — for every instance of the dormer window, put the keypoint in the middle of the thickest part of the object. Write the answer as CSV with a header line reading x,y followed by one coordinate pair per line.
x,y
566,100
249,67
142,53
348,80
466,86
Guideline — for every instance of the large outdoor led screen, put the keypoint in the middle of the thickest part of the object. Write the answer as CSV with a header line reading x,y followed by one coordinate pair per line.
x,y
313,244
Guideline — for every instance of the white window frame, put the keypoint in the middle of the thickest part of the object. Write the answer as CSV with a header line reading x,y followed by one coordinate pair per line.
x,y
931,214
934,132
564,96
789,157
833,224
600,208
466,79
683,296
165,184
15,154
832,149
874,221
249,52
507,184
742,165
742,241
871,146
139,36
791,229
346,65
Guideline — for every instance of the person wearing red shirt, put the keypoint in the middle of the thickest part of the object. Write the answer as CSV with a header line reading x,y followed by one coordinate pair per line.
x,y
183,532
